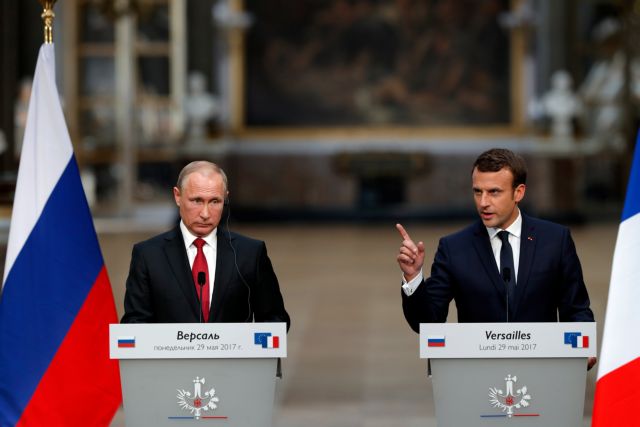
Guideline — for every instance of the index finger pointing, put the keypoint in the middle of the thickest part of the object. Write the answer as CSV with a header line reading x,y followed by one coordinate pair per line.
x,y
403,232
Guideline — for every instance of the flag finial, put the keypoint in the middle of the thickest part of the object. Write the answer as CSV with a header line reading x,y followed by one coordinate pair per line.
x,y
47,17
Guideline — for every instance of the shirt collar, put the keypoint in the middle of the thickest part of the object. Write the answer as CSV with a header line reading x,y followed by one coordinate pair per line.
x,y
190,237
515,228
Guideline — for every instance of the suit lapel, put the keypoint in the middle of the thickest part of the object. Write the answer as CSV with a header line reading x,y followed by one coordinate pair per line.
x,y
483,249
179,263
225,266
527,250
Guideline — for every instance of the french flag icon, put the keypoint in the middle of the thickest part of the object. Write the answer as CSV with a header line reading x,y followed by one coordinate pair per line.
x,y
580,342
267,340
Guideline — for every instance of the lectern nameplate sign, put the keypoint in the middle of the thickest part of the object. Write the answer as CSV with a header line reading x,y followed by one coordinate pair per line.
x,y
215,372
534,373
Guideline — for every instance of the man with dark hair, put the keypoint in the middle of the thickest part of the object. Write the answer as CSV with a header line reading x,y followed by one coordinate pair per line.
x,y
506,267
498,158
199,272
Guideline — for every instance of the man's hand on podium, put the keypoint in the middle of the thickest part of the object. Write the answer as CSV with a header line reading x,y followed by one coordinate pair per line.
x,y
411,256
591,362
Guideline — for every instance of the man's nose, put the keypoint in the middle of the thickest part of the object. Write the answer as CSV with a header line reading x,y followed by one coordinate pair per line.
x,y
204,212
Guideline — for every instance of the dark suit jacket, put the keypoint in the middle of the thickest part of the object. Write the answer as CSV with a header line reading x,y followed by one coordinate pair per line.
x,y
160,287
549,287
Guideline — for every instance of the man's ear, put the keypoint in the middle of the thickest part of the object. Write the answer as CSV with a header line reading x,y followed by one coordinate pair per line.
x,y
176,195
519,192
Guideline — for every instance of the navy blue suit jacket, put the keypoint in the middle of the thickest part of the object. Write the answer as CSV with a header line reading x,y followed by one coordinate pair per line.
x,y
160,287
550,286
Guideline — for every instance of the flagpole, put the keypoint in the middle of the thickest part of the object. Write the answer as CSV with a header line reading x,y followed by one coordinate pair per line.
x,y
47,17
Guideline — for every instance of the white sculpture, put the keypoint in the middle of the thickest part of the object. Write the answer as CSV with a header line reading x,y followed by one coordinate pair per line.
x,y
561,104
603,89
90,186
200,107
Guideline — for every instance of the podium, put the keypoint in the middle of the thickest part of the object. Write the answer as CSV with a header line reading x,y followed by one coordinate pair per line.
x,y
219,373
488,374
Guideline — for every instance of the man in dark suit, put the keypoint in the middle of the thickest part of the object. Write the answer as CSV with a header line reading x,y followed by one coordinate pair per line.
x,y
199,272
506,267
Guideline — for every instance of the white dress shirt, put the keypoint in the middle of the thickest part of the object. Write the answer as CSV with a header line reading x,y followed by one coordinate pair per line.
x,y
515,231
210,250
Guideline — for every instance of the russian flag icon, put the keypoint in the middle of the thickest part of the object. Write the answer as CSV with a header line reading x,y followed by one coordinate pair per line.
x,y
126,342
435,341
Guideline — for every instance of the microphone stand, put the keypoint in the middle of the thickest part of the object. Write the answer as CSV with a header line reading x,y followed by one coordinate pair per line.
x,y
506,277
201,280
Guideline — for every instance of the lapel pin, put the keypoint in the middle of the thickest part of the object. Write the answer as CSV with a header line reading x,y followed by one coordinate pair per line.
x,y
530,238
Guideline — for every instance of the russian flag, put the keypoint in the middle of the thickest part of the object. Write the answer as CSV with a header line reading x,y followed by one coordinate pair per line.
x,y
619,368
56,302
435,341
126,342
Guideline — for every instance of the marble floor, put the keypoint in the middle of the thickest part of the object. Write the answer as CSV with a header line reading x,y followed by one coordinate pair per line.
x,y
353,361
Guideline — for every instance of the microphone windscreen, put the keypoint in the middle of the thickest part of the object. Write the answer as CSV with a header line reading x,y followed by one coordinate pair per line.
x,y
506,274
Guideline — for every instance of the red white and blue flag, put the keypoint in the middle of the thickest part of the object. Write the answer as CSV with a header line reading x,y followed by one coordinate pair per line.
x,y
126,342
56,302
580,342
619,365
576,339
266,340
435,341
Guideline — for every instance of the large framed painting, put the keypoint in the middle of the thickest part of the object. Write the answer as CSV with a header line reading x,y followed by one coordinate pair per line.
x,y
379,64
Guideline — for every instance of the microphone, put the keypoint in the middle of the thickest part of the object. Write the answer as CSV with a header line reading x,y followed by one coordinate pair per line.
x,y
506,274
506,277
202,278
